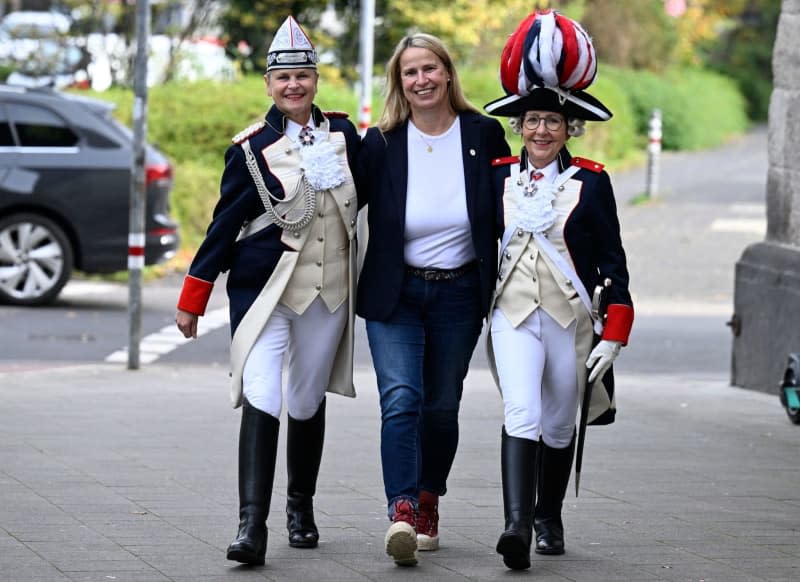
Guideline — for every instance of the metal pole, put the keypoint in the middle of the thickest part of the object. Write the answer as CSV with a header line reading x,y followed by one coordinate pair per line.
x,y
366,58
138,186
653,153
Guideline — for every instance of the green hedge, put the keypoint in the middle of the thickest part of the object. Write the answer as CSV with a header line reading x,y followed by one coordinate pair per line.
x,y
193,123
699,109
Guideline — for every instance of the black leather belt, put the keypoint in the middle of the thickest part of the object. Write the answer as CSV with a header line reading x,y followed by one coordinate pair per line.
x,y
440,274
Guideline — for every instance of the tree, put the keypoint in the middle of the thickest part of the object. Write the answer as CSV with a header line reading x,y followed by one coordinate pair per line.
x,y
634,34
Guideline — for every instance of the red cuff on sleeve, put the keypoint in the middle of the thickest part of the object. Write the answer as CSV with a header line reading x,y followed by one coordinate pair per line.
x,y
194,295
619,322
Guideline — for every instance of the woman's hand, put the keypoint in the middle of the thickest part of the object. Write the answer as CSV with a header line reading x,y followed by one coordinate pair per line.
x,y
187,323
601,358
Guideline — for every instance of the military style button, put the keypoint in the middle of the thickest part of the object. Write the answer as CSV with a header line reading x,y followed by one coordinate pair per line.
x,y
508,255
319,263
319,239
561,188
318,287
288,151
352,222
569,283
297,235
321,214
347,203
500,275
520,233
536,302
533,256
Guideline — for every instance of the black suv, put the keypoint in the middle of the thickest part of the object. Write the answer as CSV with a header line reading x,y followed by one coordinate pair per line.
x,y
65,172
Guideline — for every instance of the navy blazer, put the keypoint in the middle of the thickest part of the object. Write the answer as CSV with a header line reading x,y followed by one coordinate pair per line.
x,y
383,167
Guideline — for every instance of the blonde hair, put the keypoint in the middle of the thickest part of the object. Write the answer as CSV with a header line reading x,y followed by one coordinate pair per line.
x,y
395,108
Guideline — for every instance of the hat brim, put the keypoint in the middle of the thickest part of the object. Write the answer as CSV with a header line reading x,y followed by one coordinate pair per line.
x,y
577,104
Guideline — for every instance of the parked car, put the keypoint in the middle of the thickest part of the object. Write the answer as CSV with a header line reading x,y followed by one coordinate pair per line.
x,y
65,174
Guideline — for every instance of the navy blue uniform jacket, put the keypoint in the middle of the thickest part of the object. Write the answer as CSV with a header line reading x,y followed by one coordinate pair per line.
x,y
250,261
383,165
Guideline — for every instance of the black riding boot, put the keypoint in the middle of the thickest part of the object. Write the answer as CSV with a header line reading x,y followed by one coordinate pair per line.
x,y
554,471
518,466
258,446
304,441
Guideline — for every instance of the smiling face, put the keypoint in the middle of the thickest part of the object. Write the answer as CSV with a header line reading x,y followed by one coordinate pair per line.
x,y
424,79
293,91
541,143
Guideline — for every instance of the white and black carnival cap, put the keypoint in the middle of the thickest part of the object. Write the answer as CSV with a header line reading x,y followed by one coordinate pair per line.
x,y
291,48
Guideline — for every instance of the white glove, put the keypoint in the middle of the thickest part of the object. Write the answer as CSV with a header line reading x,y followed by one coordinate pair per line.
x,y
601,358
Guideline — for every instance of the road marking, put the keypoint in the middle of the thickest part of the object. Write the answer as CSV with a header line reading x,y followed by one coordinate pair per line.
x,y
746,208
740,225
168,338
665,306
79,289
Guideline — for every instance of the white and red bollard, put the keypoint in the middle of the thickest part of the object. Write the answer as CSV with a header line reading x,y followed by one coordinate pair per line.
x,y
653,153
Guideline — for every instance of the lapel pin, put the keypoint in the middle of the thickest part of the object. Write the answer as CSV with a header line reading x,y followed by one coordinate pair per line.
x,y
472,152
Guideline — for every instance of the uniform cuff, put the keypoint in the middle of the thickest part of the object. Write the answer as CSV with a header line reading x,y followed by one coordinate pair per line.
x,y
619,322
195,295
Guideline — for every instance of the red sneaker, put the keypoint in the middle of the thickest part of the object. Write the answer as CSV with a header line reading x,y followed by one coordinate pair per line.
x,y
428,522
401,538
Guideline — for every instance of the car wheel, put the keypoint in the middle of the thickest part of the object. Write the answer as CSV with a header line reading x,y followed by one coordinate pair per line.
x,y
35,259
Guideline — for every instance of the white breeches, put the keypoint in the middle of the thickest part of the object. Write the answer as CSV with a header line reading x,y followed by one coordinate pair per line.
x,y
310,342
536,366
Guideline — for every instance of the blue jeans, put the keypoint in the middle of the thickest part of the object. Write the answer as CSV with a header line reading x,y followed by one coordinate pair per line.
x,y
421,355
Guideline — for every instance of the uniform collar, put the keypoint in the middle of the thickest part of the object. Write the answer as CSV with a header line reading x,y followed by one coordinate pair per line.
x,y
277,120
561,163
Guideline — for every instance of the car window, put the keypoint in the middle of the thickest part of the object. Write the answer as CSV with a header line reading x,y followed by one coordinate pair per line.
x,y
39,127
6,137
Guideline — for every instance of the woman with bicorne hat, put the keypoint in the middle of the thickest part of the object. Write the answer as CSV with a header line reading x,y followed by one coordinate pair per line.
x,y
284,228
561,245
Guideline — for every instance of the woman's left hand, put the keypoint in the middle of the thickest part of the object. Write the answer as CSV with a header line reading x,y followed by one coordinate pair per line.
x,y
601,358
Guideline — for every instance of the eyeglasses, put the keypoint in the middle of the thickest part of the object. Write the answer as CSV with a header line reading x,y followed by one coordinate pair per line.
x,y
551,122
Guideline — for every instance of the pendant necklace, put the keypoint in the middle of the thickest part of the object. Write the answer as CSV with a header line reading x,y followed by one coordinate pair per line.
x,y
429,145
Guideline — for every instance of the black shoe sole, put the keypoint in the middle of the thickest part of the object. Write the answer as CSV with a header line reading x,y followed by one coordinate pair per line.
x,y
515,552
303,545
245,557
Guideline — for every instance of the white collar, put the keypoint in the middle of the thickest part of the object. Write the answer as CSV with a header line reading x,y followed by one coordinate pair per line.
x,y
293,129
550,171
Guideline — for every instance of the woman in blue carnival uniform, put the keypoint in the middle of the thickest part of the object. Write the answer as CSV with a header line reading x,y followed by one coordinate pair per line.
x,y
284,230
428,274
561,243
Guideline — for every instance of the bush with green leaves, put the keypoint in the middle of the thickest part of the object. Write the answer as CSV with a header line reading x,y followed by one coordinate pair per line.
x,y
193,123
699,109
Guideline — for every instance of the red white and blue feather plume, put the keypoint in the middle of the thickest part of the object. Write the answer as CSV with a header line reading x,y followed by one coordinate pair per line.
x,y
549,51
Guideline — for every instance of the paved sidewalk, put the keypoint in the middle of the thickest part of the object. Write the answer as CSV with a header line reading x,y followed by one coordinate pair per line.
x,y
108,474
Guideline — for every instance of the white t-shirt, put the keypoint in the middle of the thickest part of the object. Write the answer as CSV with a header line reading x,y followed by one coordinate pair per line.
x,y
438,233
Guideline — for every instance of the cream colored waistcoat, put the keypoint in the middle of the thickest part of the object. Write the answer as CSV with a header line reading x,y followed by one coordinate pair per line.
x,y
322,267
527,279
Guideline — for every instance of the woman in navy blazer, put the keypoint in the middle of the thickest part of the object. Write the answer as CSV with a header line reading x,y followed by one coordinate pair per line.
x,y
428,274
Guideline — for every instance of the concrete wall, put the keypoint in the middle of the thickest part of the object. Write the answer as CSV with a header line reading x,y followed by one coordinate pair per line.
x,y
767,284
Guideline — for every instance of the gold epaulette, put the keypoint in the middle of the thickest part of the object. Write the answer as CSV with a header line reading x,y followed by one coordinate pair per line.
x,y
248,132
